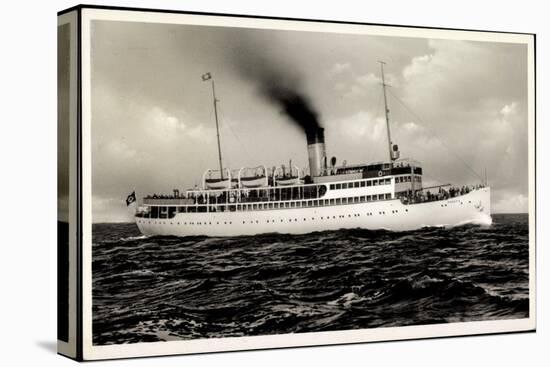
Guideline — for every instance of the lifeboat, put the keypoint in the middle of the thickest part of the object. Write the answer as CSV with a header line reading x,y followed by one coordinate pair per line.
x,y
218,183
253,177
287,177
288,181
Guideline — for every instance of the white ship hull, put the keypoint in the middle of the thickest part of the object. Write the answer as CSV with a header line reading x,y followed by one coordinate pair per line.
x,y
474,207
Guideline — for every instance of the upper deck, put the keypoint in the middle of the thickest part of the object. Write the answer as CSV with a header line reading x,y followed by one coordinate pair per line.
x,y
355,176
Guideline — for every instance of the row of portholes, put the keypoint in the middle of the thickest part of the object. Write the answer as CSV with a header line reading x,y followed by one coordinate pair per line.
x,y
273,220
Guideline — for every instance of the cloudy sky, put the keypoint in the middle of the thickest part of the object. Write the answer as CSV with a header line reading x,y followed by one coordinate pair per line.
x,y
458,107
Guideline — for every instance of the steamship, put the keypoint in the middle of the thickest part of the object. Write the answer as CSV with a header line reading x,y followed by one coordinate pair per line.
x,y
386,195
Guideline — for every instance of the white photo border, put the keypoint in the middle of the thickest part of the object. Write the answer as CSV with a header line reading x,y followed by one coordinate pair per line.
x,y
91,351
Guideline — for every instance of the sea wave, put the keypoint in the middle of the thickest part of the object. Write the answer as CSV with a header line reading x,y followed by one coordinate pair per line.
x,y
170,288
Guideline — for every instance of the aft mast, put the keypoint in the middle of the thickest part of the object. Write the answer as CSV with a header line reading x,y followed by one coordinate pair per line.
x,y
394,154
206,77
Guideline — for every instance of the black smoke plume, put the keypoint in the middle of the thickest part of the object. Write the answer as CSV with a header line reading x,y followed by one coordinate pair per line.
x,y
277,81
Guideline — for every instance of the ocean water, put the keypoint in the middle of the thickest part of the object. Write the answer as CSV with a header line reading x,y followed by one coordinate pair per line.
x,y
168,288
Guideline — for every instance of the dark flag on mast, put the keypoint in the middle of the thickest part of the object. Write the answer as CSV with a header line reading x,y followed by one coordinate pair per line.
x,y
206,77
131,198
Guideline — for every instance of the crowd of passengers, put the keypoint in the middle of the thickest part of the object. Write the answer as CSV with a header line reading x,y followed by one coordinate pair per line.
x,y
421,196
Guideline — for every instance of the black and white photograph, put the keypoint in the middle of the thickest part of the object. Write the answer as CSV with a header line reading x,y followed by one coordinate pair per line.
x,y
255,177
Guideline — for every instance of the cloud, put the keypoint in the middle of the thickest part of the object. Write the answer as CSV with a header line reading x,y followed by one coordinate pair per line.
x,y
118,149
162,124
340,68
508,109
513,203
111,210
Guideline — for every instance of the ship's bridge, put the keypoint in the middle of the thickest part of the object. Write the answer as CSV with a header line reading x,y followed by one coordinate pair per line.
x,y
398,167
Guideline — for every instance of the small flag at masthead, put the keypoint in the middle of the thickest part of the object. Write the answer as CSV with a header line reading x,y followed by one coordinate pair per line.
x,y
206,77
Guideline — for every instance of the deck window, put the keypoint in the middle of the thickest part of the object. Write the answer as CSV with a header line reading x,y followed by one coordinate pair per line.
x,y
338,186
381,197
362,183
369,183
